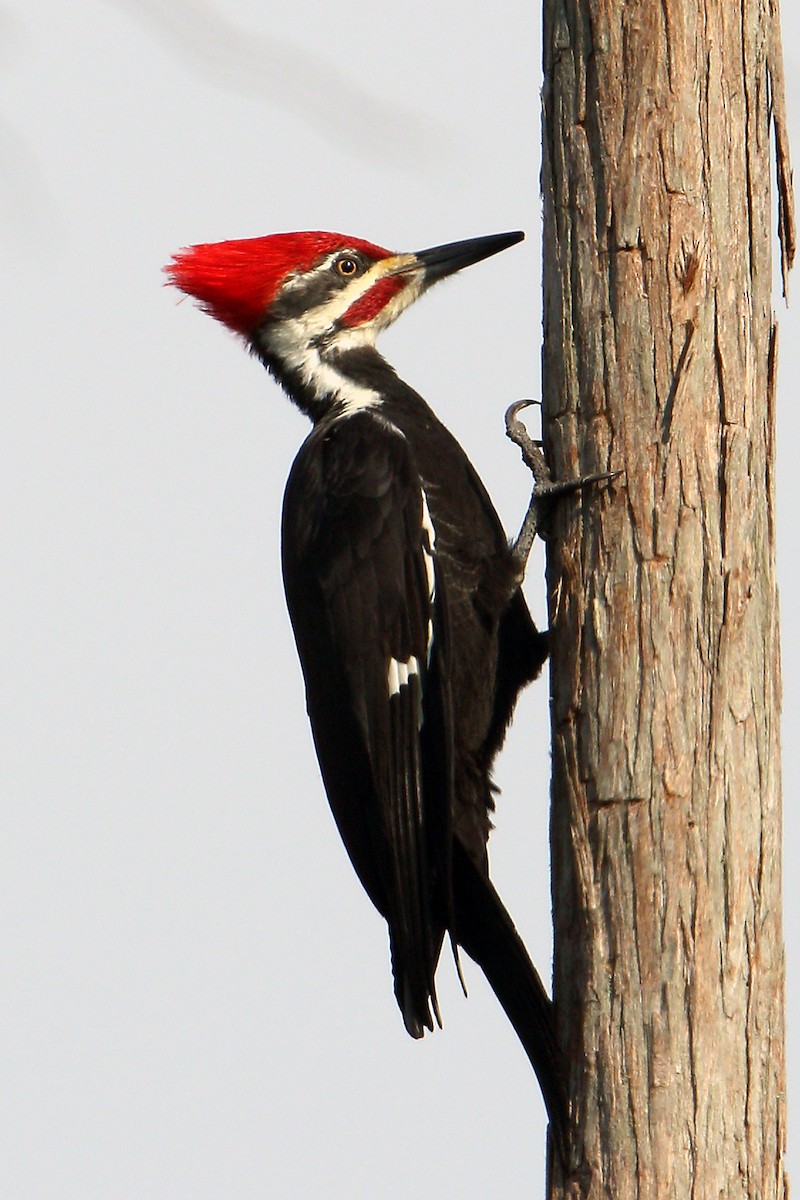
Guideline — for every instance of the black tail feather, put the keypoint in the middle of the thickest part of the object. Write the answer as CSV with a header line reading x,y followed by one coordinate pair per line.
x,y
486,931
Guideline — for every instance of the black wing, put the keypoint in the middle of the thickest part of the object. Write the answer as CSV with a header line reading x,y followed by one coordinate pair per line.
x,y
369,619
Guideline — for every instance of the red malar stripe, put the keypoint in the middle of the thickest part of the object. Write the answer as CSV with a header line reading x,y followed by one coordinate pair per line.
x,y
371,303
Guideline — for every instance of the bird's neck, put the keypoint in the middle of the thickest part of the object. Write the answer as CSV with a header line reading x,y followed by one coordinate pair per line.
x,y
321,381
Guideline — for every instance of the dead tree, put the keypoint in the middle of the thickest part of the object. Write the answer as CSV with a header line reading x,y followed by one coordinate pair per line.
x,y
660,359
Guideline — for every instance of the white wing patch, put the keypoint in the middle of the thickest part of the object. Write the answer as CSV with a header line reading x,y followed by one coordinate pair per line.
x,y
400,673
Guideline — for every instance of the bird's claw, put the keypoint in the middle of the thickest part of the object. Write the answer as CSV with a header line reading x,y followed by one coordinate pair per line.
x,y
564,487
532,454
546,490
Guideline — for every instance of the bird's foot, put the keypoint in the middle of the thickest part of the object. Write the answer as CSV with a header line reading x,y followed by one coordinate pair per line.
x,y
546,490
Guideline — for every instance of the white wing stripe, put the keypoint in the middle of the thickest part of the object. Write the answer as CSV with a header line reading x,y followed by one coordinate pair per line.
x,y
429,555
400,672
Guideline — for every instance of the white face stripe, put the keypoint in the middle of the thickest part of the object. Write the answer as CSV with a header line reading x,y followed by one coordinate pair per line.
x,y
289,342
319,321
308,344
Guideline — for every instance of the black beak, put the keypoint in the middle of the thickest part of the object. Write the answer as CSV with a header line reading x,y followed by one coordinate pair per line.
x,y
441,261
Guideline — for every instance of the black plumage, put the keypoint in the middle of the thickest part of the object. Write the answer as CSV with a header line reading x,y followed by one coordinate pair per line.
x,y
413,633
409,776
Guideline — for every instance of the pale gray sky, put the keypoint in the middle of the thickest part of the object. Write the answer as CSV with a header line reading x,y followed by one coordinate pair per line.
x,y
197,1000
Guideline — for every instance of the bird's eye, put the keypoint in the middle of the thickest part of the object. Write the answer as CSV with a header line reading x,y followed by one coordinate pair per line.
x,y
346,266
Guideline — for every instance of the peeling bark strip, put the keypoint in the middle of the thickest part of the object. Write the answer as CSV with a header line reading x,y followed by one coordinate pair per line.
x,y
659,357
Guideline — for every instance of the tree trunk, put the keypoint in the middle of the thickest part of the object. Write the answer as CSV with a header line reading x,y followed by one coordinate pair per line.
x,y
660,360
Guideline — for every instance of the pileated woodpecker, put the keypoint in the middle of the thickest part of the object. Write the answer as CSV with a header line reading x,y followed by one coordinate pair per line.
x,y
413,634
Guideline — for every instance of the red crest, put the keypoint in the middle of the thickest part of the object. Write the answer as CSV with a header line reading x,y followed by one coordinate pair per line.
x,y
237,281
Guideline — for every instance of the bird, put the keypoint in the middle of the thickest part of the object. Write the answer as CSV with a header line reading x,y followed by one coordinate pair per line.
x,y
405,598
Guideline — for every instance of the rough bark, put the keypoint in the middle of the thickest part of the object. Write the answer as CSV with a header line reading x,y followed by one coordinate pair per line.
x,y
660,359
